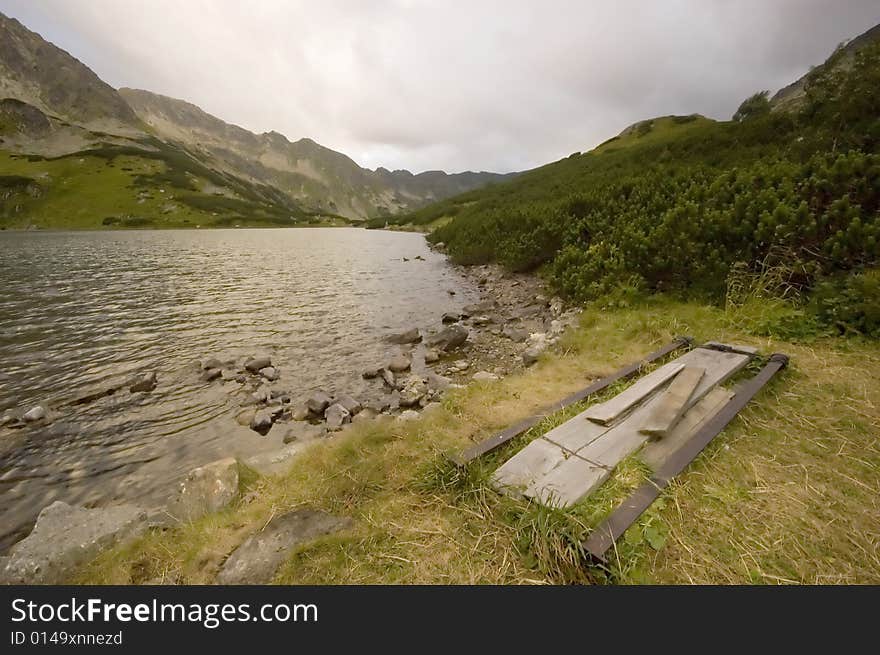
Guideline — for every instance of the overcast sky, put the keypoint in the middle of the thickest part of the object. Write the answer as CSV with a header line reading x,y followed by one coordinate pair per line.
x,y
449,84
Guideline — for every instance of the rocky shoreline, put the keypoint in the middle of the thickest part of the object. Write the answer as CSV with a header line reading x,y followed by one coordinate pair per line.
x,y
514,321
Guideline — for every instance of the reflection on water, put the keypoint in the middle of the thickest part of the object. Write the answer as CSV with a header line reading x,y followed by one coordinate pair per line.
x,y
81,309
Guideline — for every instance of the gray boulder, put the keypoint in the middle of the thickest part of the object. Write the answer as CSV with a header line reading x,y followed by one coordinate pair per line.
x,y
262,421
449,337
414,389
270,373
515,334
371,373
207,376
353,406
300,412
206,489
65,537
336,416
409,415
257,559
254,365
400,363
318,402
303,432
276,461
432,356
533,353
451,317
410,336
484,376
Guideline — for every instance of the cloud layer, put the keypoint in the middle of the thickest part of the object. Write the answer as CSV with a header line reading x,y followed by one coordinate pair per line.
x,y
449,84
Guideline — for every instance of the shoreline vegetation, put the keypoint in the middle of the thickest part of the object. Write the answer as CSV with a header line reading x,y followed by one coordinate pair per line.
x,y
788,493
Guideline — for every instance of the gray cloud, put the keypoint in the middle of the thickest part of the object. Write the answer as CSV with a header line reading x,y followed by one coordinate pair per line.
x,y
422,84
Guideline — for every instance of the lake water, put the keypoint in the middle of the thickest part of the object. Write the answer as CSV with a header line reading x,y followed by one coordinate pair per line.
x,y
80,309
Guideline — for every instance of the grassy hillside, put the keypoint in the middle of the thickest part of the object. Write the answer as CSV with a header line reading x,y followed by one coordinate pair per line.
x,y
153,185
681,203
787,493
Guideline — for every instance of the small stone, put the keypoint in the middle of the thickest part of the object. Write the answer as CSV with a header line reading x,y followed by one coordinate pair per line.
x,y
336,416
532,354
431,356
255,364
484,376
212,363
229,375
300,412
34,414
270,373
144,383
451,317
481,321
262,421
210,375
318,402
371,373
245,417
515,334
409,415
388,378
350,404
400,363
262,395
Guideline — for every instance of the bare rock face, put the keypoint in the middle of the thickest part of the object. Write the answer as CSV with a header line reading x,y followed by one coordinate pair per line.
x,y
206,489
65,537
256,561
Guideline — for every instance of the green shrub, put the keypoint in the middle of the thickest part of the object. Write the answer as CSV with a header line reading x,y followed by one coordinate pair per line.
x,y
849,303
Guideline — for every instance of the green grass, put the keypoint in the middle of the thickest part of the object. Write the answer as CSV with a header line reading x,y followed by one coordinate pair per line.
x,y
787,493
116,186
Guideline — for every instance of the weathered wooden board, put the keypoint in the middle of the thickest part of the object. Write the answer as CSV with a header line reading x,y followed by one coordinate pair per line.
x,y
673,402
612,409
573,459
655,452
569,481
576,432
532,462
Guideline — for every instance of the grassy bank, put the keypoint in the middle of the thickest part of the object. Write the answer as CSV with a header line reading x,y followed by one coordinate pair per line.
x,y
788,493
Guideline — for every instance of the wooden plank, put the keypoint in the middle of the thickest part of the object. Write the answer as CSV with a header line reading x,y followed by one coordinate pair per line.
x,y
568,482
498,440
576,432
624,439
655,452
611,410
673,402
531,463
606,533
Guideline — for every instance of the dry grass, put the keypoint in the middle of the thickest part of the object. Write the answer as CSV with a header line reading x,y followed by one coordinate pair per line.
x,y
788,493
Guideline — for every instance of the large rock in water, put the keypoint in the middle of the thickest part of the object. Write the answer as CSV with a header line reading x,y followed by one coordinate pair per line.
x,y
257,559
400,363
449,337
254,365
143,383
206,489
65,537
336,415
410,336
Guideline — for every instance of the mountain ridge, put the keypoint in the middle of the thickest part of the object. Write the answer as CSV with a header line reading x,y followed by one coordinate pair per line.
x,y
53,106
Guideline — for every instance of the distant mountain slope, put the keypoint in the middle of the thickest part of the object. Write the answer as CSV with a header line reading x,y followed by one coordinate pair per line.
x,y
179,165
35,71
313,175
791,97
